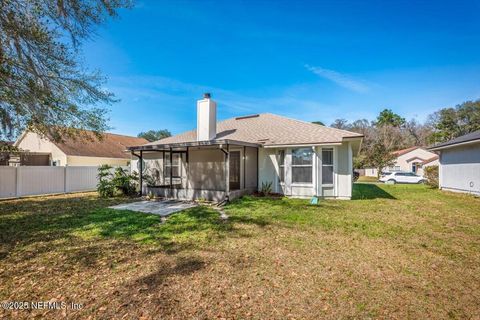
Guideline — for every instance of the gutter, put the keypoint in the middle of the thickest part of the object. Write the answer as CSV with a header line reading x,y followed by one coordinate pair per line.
x,y
453,145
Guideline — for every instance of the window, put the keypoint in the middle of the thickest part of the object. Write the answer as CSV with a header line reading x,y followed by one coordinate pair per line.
x,y
327,166
173,167
415,167
281,165
302,160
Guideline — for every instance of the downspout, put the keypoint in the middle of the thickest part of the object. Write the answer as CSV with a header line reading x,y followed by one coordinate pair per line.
x,y
187,169
140,180
244,168
227,173
171,173
257,170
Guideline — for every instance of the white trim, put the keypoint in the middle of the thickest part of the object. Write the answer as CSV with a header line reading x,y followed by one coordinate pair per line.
x,y
335,170
455,145
299,184
346,139
302,145
350,167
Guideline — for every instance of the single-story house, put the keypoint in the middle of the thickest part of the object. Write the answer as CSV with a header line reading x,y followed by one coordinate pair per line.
x,y
87,151
224,160
459,169
411,159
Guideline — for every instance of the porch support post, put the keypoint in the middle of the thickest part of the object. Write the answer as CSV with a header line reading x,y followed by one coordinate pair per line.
x,y
171,171
187,169
244,168
141,173
227,172
257,170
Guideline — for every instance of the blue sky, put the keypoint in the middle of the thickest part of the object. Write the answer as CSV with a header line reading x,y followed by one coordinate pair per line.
x,y
313,60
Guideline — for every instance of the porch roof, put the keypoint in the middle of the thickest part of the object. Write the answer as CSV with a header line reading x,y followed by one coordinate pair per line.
x,y
184,145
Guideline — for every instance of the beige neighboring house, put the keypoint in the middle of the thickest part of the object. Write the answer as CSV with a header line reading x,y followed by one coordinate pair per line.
x,y
224,160
76,152
412,159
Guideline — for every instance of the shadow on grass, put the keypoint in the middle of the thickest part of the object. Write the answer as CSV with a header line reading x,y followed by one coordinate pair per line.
x,y
80,225
366,191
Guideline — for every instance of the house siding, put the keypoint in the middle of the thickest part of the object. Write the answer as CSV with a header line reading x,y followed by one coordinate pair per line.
x,y
95,161
32,142
341,187
460,169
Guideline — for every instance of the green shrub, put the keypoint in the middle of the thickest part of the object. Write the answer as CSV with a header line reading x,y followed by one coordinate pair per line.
x,y
124,182
431,174
105,186
119,181
266,188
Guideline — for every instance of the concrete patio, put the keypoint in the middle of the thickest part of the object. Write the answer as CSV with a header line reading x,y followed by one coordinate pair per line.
x,y
162,208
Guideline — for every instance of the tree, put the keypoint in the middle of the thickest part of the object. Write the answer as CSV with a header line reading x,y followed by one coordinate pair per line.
x,y
449,123
154,135
318,122
378,156
469,116
43,87
417,134
340,124
388,117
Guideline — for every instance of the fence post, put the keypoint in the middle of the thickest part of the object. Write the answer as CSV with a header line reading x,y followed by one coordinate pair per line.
x,y
65,179
17,181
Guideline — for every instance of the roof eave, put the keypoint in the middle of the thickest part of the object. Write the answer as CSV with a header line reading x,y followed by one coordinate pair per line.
x,y
168,146
452,145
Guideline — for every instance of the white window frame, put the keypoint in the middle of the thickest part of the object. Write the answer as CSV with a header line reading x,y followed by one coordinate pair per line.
x,y
281,166
303,184
328,165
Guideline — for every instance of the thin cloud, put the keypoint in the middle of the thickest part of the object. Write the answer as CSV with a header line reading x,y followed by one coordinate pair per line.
x,y
340,79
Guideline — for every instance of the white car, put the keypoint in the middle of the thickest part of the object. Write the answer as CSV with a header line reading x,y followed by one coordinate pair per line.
x,y
401,177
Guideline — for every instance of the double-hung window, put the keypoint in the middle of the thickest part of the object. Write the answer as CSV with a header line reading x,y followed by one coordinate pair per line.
x,y
281,165
302,161
327,166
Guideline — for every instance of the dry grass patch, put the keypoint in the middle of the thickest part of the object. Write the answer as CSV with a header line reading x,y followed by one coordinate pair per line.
x,y
394,252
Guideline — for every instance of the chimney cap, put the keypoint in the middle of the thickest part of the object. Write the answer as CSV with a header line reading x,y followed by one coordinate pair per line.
x,y
206,95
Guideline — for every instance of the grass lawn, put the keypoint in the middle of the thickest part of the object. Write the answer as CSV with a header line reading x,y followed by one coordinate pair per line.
x,y
395,251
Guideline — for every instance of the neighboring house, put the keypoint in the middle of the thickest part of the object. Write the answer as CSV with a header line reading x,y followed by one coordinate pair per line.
x,y
409,160
111,149
459,169
224,160
433,161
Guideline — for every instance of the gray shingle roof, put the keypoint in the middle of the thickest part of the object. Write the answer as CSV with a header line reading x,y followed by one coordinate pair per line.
x,y
465,138
268,129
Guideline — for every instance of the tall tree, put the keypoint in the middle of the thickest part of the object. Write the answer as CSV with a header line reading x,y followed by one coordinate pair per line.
x,y
378,156
43,87
469,116
318,122
340,124
154,135
449,123
388,117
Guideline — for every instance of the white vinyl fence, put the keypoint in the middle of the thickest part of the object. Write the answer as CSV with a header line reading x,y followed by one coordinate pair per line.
x,y
37,180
